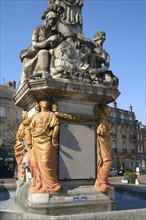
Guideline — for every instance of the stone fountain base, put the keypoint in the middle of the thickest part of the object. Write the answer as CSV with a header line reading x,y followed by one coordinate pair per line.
x,y
72,200
77,146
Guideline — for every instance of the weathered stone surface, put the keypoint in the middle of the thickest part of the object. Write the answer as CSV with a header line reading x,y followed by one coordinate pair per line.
x,y
38,89
75,108
41,198
138,214
73,199
77,156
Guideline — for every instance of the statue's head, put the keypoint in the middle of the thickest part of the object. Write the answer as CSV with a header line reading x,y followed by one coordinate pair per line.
x,y
106,111
51,15
37,107
54,106
102,110
100,36
51,19
24,115
44,103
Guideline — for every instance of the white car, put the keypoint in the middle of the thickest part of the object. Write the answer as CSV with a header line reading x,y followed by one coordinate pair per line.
x,y
113,172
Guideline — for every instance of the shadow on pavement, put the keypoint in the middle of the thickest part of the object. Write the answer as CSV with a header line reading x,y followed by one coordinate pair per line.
x,y
4,193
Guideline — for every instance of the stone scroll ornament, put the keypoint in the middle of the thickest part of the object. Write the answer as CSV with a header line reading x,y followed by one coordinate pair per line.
x,y
59,49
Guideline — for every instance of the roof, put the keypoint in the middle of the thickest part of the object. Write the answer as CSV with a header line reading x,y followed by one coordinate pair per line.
x,y
6,92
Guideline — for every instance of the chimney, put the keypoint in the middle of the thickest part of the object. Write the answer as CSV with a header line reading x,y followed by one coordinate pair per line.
x,y
114,104
130,108
14,84
9,84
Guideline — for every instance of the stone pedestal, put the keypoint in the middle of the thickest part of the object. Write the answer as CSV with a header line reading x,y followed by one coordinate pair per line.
x,y
77,145
77,139
74,199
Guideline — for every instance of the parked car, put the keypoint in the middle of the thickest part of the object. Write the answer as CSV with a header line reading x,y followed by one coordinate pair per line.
x,y
113,172
121,172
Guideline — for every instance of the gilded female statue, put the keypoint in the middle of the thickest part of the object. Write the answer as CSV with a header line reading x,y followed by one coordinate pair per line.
x,y
104,158
42,137
20,149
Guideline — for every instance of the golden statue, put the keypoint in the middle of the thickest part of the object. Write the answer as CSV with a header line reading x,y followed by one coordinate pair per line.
x,y
104,158
42,138
20,148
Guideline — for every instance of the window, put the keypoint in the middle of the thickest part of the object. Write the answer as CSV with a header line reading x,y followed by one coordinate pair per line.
x,y
124,148
114,144
122,116
141,137
132,148
137,136
123,131
2,111
114,147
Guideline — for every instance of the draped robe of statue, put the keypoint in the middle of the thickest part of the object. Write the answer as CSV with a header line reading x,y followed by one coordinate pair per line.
x,y
104,157
43,129
19,149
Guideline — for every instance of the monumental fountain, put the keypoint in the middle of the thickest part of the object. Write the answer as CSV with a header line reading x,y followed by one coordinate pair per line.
x,y
62,145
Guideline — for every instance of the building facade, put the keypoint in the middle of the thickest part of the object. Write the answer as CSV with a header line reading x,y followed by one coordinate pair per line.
x,y
10,118
127,142
141,146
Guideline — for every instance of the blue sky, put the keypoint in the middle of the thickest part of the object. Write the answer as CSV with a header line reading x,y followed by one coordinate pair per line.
x,y
124,24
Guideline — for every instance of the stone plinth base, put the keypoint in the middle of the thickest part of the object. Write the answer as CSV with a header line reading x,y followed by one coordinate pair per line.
x,y
82,199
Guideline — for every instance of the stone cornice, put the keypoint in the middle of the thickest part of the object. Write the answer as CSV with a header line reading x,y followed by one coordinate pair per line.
x,y
43,88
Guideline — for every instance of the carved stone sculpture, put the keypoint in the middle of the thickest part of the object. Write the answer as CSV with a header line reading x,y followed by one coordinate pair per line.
x,y
100,72
36,59
70,22
101,56
42,138
60,51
